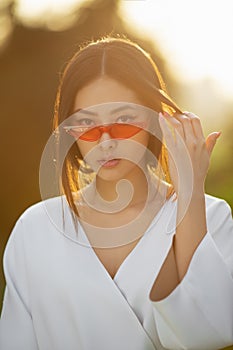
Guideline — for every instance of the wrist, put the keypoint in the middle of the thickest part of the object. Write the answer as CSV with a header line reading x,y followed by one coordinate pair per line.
x,y
196,191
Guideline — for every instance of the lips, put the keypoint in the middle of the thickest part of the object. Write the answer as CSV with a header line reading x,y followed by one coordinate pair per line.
x,y
108,163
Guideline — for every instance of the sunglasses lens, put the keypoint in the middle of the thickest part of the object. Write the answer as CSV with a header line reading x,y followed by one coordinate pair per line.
x,y
124,131
117,131
91,135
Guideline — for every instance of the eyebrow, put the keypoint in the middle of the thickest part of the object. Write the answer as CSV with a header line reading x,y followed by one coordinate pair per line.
x,y
86,111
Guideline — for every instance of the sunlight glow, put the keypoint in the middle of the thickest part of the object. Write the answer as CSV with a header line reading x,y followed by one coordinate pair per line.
x,y
55,14
195,35
35,8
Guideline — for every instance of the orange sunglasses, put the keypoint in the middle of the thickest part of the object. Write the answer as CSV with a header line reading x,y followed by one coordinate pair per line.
x,y
115,130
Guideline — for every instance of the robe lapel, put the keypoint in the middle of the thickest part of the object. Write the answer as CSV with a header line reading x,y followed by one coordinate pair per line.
x,y
118,321
134,279
137,274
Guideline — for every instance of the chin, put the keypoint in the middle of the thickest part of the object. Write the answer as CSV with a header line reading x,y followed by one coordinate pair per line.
x,y
122,170
109,174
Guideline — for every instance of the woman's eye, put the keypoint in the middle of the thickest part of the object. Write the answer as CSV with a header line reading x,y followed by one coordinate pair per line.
x,y
125,119
85,122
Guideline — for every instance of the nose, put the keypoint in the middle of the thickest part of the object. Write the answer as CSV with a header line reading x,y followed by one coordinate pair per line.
x,y
106,142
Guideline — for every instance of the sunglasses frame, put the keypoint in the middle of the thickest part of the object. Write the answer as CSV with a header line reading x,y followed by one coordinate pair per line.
x,y
103,128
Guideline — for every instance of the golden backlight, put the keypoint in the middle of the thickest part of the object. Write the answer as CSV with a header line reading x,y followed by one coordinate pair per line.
x,y
195,35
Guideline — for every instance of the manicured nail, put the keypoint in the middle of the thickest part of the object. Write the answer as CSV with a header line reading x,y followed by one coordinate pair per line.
x,y
218,133
161,116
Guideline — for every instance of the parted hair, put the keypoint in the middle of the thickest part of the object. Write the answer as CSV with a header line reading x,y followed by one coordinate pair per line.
x,y
126,62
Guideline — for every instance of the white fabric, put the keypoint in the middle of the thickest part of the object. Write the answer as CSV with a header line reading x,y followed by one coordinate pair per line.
x,y
59,296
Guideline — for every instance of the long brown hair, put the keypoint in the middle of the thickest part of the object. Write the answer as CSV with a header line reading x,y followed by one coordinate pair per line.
x,y
122,60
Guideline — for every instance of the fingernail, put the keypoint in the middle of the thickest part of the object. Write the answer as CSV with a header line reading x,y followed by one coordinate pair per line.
x,y
161,116
218,134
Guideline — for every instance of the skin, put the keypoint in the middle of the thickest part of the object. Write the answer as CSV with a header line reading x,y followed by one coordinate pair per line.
x,y
191,213
189,150
104,90
101,91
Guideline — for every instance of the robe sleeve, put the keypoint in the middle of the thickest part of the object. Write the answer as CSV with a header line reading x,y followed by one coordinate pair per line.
x,y
16,324
198,314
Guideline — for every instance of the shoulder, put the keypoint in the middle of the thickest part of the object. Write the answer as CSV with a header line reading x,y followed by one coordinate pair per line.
x,y
44,211
40,220
219,217
39,207
216,206
40,228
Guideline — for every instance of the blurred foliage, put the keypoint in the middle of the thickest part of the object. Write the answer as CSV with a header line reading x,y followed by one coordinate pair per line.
x,y
30,64
220,177
215,112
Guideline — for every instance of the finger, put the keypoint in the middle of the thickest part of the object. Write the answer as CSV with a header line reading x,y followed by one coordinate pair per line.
x,y
186,123
175,123
211,141
167,133
196,124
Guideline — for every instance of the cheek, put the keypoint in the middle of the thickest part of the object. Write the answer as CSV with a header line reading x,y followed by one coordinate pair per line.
x,y
142,142
142,138
84,147
135,148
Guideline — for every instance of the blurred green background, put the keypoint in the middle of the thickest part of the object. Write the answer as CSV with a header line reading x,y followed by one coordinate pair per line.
x,y
33,52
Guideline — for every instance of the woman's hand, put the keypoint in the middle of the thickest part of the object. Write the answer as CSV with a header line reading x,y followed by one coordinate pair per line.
x,y
189,159
189,151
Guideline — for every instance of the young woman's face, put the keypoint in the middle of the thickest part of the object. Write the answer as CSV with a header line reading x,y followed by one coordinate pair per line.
x,y
106,101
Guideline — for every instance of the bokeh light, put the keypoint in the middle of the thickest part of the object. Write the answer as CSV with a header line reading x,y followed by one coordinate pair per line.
x,y
53,14
191,42
195,35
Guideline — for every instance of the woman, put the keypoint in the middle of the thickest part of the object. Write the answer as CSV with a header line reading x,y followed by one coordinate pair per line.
x,y
138,257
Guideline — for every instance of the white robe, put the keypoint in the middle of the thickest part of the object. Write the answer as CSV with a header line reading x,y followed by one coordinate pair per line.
x,y
59,296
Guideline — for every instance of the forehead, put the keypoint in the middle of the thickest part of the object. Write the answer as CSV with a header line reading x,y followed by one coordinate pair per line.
x,y
112,108
104,90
